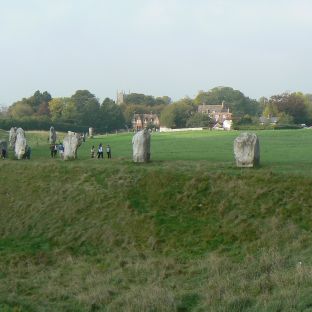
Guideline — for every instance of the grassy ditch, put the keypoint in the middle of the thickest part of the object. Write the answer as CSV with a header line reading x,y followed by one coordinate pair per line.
x,y
167,236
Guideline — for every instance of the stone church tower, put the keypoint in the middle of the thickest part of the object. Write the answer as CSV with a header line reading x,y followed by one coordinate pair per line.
x,y
120,97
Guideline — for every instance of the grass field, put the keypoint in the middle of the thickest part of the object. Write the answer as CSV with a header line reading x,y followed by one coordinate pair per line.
x,y
186,232
286,150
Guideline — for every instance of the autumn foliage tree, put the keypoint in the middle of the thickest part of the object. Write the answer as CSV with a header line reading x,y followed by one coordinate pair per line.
x,y
291,104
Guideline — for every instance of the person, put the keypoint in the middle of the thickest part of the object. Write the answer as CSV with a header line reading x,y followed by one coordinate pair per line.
x,y
3,153
52,146
92,151
61,150
28,152
108,151
55,150
100,151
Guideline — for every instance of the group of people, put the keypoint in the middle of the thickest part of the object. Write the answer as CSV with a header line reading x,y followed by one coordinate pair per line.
x,y
27,154
100,151
54,148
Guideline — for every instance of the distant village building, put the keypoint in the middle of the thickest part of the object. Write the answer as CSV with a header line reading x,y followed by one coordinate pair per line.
x,y
140,121
268,120
3,109
218,113
227,124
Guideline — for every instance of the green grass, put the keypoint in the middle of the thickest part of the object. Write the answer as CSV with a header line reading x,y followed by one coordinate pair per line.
x,y
186,232
281,151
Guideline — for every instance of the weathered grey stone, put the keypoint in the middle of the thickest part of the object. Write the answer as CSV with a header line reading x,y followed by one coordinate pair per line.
x,y
247,150
12,137
52,136
20,143
71,143
91,132
141,146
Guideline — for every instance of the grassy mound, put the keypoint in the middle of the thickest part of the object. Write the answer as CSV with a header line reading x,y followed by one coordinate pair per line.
x,y
167,236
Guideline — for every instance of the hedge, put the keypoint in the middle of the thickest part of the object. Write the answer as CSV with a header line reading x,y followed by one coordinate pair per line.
x,y
37,124
267,127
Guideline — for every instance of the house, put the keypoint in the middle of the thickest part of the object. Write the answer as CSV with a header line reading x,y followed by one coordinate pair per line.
x,y
217,126
140,121
268,120
218,113
227,124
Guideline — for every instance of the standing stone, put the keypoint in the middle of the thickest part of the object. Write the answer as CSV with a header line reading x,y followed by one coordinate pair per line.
x,y
20,144
71,143
52,136
12,137
247,150
91,132
141,146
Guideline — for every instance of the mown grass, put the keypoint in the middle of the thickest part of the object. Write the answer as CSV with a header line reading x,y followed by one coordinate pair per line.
x,y
184,235
281,151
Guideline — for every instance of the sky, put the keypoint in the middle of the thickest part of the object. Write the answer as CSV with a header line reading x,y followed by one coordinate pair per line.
x,y
155,47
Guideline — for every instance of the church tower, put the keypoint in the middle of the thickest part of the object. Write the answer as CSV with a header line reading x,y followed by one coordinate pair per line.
x,y
120,97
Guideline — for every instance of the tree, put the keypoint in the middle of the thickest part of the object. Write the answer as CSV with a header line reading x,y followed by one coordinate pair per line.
x,y
146,100
39,102
140,99
129,110
90,113
43,109
63,109
70,113
107,101
163,100
111,115
87,108
292,104
81,97
20,109
177,114
238,103
308,104
263,101
270,110
284,118
199,120
56,107
36,105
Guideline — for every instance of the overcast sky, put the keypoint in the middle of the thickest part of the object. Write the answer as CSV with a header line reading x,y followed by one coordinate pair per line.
x,y
156,47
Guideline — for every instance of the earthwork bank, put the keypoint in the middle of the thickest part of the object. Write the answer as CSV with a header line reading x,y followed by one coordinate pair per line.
x,y
186,232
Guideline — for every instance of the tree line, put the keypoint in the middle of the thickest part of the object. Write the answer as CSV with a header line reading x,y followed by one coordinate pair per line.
x,y
83,109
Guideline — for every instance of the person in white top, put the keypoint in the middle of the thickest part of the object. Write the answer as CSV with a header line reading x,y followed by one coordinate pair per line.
x,y
108,151
100,151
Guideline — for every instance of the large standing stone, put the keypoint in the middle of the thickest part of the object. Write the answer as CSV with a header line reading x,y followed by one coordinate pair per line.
x,y
247,150
20,144
141,146
71,143
12,137
91,132
52,136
